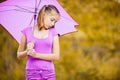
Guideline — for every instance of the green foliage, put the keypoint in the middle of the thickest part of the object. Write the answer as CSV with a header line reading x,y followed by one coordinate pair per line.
x,y
11,68
92,53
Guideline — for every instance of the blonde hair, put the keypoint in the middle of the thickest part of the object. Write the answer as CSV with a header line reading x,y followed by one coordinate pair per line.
x,y
45,9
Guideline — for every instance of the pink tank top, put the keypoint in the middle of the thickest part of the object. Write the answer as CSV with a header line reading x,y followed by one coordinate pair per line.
x,y
44,46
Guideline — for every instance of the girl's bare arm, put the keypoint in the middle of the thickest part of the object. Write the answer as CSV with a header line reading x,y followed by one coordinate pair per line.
x,y
22,52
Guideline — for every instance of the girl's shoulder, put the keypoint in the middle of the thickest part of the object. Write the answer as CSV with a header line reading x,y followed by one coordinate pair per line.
x,y
53,31
25,30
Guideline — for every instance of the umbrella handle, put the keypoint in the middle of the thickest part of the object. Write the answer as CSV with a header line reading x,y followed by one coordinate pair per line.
x,y
35,14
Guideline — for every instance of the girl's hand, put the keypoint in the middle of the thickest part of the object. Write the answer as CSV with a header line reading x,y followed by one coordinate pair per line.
x,y
31,52
30,49
30,45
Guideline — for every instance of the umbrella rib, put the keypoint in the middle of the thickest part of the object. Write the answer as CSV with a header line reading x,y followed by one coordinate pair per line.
x,y
6,10
16,5
23,8
39,4
35,4
23,11
20,7
15,10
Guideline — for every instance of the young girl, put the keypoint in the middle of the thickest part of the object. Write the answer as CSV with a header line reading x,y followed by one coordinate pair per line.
x,y
41,44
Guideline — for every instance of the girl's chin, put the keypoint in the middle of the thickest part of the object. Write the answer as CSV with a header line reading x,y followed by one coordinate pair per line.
x,y
48,27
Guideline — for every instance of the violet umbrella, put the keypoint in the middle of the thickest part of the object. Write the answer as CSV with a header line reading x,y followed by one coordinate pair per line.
x,y
15,15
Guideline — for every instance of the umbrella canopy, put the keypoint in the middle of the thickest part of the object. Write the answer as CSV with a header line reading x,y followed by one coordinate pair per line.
x,y
15,15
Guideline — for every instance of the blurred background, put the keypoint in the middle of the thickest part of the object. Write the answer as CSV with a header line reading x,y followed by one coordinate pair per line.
x,y
92,53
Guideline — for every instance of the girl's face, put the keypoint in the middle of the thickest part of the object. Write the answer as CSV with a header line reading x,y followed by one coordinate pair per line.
x,y
50,19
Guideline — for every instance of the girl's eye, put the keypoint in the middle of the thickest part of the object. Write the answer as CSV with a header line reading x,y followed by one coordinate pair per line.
x,y
52,20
